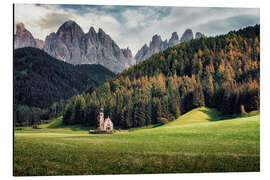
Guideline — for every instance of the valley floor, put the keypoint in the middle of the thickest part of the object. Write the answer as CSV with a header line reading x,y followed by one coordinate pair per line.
x,y
181,146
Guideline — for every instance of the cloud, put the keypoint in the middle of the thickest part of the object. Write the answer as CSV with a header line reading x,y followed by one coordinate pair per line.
x,y
223,26
35,18
52,20
48,18
130,21
133,26
210,21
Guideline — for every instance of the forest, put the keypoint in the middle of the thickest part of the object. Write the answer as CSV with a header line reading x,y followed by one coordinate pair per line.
x,y
221,72
42,84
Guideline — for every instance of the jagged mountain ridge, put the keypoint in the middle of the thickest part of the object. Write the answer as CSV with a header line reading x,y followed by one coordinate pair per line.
x,y
72,45
156,44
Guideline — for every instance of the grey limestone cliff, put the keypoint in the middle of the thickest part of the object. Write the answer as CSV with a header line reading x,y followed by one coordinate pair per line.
x,y
72,45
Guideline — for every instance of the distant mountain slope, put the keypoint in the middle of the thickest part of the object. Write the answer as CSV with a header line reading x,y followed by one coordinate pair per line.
x,y
40,80
157,45
221,72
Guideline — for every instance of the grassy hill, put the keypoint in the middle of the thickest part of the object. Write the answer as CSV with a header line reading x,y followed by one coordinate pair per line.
x,y
195,142
198,115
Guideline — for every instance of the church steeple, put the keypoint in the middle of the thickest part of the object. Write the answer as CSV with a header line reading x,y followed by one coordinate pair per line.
x,y
101,118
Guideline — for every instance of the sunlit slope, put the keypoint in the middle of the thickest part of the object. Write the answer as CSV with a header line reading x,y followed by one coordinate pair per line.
x,y
198,115
57,125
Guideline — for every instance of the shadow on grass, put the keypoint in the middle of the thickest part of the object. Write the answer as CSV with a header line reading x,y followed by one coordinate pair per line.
x,y
58,123
213,114
216,116
73,127
158,125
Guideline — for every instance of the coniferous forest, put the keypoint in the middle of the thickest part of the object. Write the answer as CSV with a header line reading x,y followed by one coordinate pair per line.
x,y
220,72
42,84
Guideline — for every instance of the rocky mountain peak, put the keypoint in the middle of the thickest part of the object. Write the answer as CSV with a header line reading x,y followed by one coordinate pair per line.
x,y
174,39
156,39
127,52
187,35
174,36
40,43
70,28
145,46
20,28
70,23
155,46
72,45
199,35
92,30
156,43
101,32
23,38
106,40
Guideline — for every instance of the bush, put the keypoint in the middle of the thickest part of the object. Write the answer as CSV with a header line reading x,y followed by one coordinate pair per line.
x,y
163,120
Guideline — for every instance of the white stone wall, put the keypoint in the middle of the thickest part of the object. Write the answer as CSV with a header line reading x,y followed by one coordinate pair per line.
x,y
107,123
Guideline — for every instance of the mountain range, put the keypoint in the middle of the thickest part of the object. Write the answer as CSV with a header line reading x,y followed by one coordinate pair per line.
x,y
157,45
70,44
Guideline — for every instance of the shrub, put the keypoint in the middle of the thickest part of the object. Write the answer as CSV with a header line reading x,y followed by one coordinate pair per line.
x,y
163,120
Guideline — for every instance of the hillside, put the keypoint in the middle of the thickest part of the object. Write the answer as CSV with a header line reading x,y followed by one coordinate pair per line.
x,y
42,84
219,72
197,115
40,80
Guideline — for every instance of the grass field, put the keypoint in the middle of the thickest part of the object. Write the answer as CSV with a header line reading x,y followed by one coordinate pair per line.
x,y
196,142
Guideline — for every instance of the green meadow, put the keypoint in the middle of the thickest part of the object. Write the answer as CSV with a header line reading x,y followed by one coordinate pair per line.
x,y
198,141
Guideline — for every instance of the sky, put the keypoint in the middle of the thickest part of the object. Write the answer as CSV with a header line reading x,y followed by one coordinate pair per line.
x,y
134,26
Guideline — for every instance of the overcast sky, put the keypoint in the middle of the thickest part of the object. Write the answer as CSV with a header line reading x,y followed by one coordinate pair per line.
x,y
133,26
